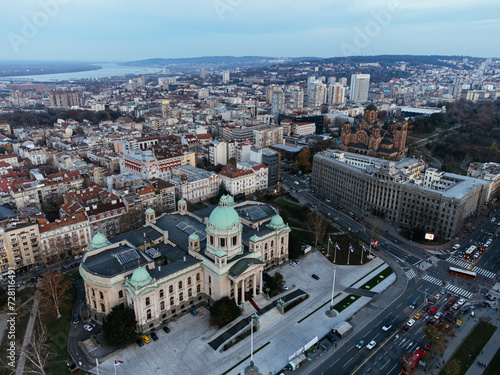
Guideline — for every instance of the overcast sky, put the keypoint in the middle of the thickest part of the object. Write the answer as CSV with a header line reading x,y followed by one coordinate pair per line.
x,y
112,30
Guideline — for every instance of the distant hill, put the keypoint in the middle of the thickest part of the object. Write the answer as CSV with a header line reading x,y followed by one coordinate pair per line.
x,y
21,68
216,62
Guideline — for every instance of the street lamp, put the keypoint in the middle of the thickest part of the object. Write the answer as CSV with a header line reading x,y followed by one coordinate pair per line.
x,y
252,369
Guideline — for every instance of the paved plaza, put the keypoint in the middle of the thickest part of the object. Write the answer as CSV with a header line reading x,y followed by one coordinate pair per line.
x,y
185,349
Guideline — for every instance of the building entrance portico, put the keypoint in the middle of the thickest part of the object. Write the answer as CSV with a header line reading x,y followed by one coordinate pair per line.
x,y
249,282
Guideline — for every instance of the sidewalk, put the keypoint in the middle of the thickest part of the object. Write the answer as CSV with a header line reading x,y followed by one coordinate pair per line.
x,y
460,335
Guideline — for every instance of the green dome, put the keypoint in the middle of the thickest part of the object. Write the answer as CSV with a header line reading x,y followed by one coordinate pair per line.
x,y
220,253
255,238
140,277
277,222
230,200
194,237
150,211
224,217
182,201
98,241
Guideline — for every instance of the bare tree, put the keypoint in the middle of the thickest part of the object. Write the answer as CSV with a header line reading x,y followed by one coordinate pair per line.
x,y
317,225
38,352
53,288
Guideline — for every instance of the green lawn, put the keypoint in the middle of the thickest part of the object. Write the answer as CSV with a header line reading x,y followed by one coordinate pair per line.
x,y
346,302
377,279
466,355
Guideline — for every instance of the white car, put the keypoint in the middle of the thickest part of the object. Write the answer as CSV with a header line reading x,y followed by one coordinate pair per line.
x,y
410,322
461,301
371,345
387,327
457,246
293,264
88,327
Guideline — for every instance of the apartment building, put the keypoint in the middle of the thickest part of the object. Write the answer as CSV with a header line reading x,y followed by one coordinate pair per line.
x,y
20,247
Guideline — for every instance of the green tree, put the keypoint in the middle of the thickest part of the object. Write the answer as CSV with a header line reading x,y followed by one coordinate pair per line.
x,y
275,283
224,311
119,326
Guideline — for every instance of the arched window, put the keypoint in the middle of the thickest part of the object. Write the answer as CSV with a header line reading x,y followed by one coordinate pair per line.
x,y
210,279
171,289
172,301
103,309
190,293
272,253
181,296
272,243
180,284
148,314
95,306
120,294
161,293
148,301
162,305
189,281
265,256
101,296
198,288
265,246
197,277
93,292
281,251
283,240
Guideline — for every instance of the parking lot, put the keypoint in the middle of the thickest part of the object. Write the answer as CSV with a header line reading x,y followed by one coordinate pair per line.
x,y
185,349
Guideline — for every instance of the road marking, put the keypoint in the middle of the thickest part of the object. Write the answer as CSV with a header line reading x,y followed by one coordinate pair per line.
x,y
399,305
376,336
393,367
394,320
345,364
385,364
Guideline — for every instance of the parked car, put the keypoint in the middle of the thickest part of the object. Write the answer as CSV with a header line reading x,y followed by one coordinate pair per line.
x,y
154,336
360,344
139,342
193,312
330,337
371,345
166,329
314,276
88,327
76,319
285,287
146,339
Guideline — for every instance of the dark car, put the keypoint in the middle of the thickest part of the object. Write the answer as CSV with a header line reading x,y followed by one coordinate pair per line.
x,y
166,329
425,308
153,336
193,312
432,301
431,322
314,276
404,328
438,324
331,338
76,319
139,342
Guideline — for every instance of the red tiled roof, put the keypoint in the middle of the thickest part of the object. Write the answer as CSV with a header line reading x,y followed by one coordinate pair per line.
x,y
78,218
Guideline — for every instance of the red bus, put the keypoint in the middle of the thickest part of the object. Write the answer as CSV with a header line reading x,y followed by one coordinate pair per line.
x,y
412,362
462,272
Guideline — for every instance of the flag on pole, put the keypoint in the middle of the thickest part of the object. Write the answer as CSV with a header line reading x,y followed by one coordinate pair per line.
x,y
364,247
330,239
351,248
337,246
118,363
374,243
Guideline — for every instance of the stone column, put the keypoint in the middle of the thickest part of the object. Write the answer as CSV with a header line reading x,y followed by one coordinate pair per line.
x,y
244,282
254,285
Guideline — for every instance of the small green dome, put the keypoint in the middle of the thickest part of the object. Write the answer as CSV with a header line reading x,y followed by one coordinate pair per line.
x,y
230,200
140,277
255,238
194,237
220,253
277,222
224,217
99,240
150,211
182,201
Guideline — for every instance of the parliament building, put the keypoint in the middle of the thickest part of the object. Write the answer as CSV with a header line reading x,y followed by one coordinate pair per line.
x,y
180,260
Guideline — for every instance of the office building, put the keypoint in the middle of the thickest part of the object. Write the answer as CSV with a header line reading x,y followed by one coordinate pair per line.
x,y
360,85
400,192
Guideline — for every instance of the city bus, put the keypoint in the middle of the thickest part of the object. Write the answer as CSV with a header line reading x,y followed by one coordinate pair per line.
x,y
470,252
409,365
462,272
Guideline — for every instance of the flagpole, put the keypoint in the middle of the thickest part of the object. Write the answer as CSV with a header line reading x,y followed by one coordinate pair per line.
x,y
348,253
328,248
333,285
97,364
115,368
362,250
370,247
335,254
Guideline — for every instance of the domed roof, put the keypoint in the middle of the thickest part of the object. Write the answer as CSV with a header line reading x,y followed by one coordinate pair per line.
x,y
230,200
371,107
140,277
150,211
224,217
99,240
194,237
182,201
277,222
220,253
255,238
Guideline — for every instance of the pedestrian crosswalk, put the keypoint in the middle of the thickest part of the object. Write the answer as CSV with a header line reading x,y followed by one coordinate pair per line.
x,y
456,290
465,265
410,274
432,280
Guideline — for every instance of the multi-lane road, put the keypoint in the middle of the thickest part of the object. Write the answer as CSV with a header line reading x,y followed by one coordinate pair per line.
x,y
423,283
